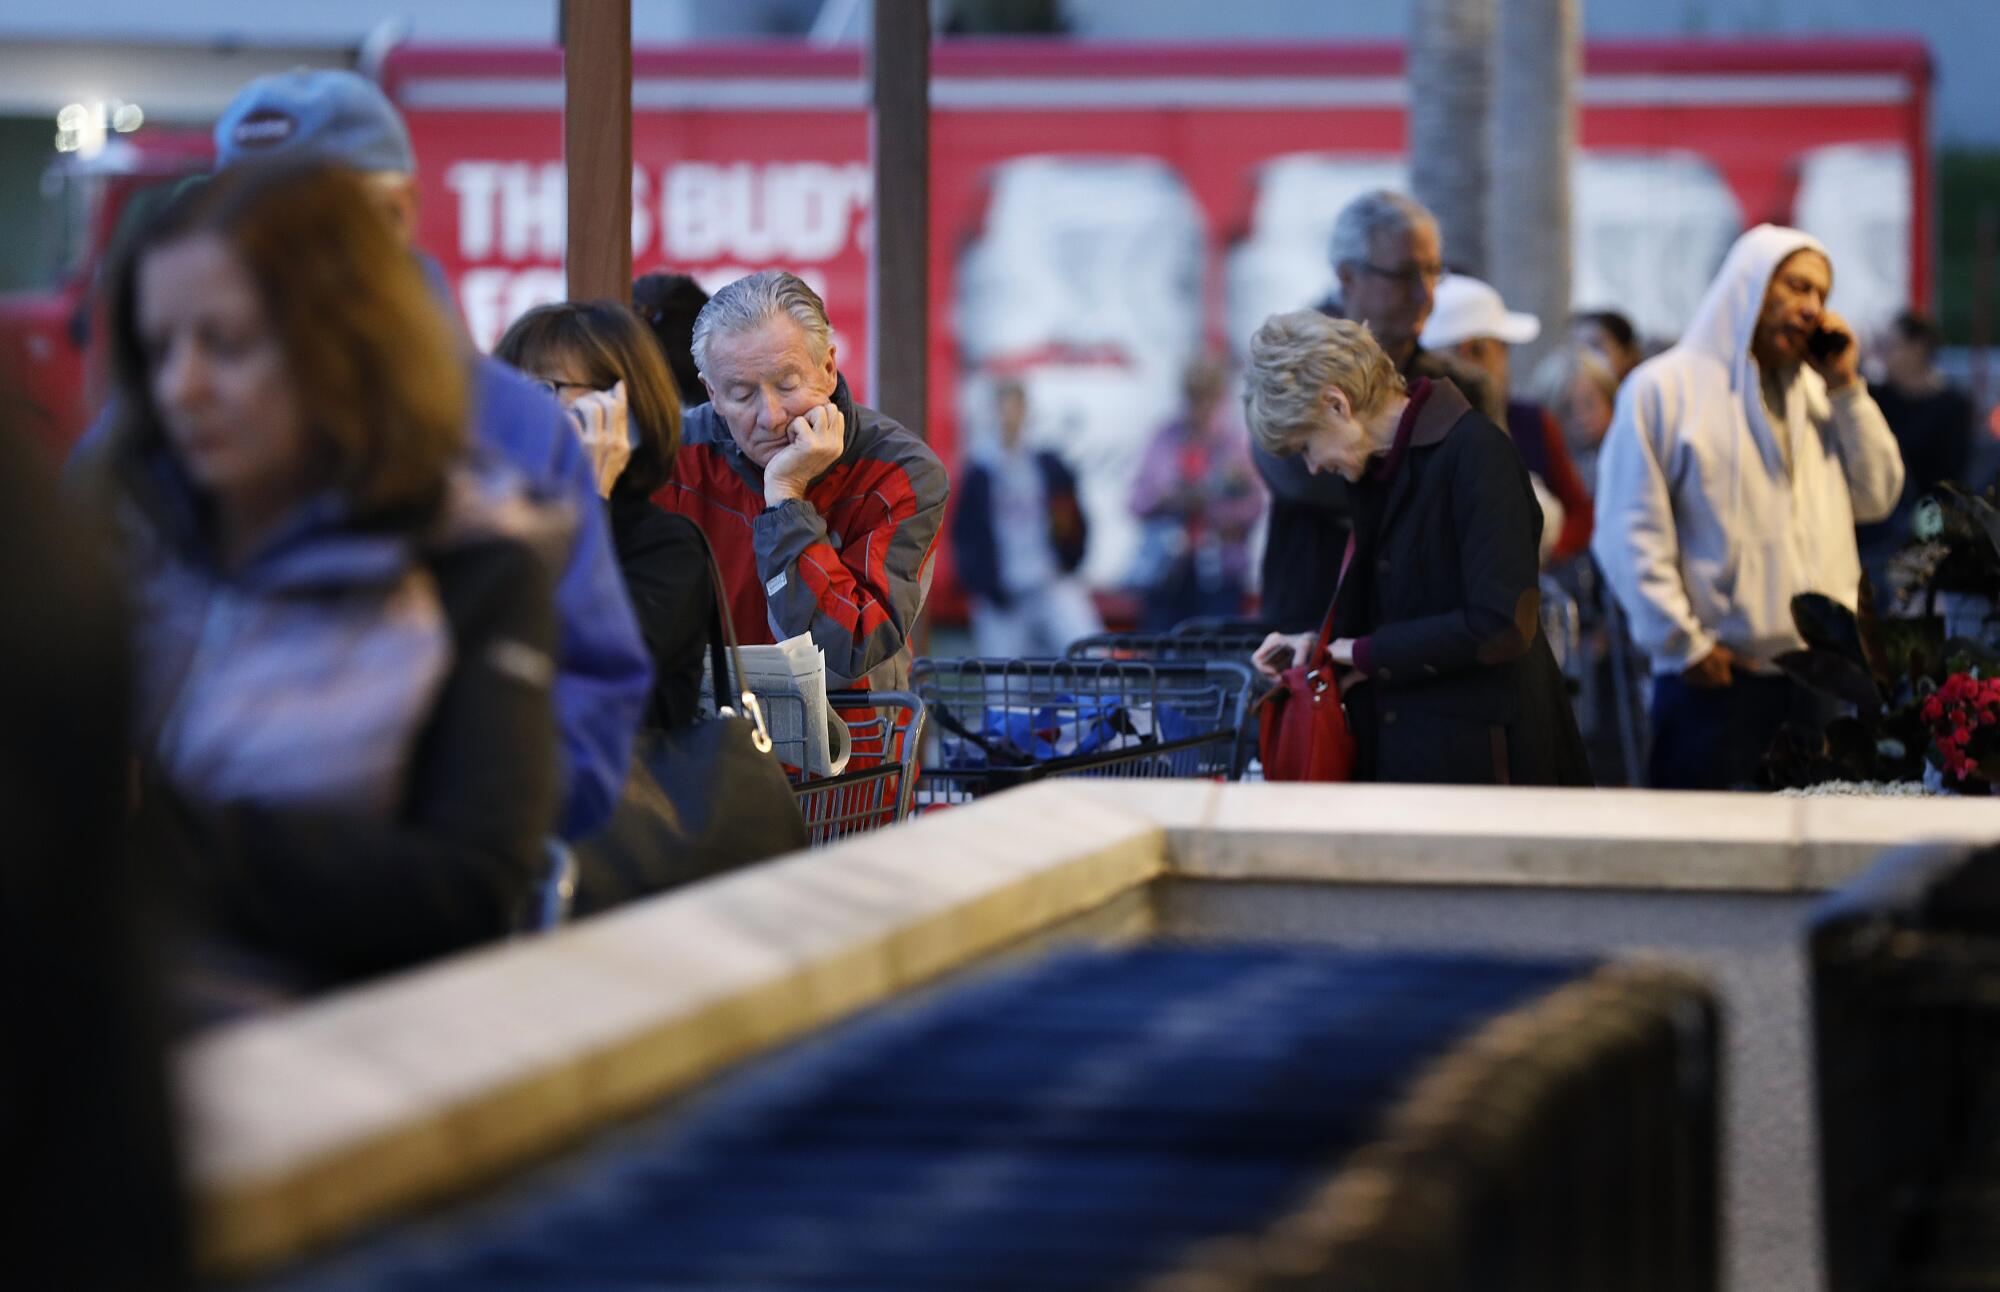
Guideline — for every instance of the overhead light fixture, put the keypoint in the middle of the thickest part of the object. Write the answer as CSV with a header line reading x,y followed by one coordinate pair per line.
x,y
83,127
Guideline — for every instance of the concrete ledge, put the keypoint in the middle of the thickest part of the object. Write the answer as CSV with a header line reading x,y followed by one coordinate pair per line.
x,y
311,1123
308,1124
1644,839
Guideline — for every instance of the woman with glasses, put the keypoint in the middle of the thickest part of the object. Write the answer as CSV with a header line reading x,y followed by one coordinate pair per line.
x,y
600,360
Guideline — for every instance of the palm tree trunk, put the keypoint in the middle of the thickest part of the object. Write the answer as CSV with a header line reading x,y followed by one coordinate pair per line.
x,y
1450,69
1536,59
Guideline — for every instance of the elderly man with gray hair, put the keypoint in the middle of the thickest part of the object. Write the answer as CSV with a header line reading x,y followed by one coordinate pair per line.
x,y
823,514
1387,261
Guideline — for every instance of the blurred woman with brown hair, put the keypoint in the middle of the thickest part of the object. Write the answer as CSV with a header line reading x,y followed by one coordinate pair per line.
x,y
343,621
600,360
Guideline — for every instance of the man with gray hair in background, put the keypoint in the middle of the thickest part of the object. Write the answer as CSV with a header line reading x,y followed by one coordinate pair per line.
x,y
1387,260
823,514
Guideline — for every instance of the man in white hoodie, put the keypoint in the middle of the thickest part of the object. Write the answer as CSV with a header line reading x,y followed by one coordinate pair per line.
x,y
1736,467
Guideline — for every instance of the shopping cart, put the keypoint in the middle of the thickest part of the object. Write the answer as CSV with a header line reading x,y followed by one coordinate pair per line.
x,y
1224,626
1001,722
1234,640
1236,646
886,728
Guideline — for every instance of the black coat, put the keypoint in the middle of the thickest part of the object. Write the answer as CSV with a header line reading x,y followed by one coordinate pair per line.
x,y
662,557
1445,587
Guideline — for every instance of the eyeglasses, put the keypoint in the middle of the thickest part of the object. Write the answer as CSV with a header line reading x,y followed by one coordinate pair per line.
x,y
556,388
1408,275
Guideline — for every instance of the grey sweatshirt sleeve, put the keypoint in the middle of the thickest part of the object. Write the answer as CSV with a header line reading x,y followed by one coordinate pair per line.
x,y
858,596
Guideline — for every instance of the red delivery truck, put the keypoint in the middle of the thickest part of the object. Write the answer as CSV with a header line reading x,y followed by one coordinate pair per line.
x,y
1101,214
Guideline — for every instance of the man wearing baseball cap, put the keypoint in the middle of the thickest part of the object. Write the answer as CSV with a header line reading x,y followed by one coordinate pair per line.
x,y
325,114
1472,324
603,671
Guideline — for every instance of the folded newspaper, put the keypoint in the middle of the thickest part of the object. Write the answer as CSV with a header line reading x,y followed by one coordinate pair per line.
x,y
789,681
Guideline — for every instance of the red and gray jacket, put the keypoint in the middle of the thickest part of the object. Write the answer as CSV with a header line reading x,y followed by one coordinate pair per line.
x,y
851,563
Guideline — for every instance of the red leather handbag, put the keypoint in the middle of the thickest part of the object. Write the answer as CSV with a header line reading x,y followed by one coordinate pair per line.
x,y
1304,736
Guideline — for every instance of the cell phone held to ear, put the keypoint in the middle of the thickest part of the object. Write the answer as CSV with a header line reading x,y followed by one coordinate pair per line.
x,y
1825,344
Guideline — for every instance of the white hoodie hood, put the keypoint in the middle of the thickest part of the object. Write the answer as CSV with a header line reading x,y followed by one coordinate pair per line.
x,y
1705,530
1726,320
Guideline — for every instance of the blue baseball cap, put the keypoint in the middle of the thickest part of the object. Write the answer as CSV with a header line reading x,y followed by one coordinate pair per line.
x,y
318,113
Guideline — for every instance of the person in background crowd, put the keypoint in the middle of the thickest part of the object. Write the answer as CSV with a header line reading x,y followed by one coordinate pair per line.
x,y
824,514
1387,259
1933,422
1612,335
1198,490
600,361
1019,534
1470,321
1580,389
1448,678
343,625
1736,467
602,678
670,303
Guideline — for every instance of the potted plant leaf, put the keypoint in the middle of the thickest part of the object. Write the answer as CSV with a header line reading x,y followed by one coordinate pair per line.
x,y
1878,667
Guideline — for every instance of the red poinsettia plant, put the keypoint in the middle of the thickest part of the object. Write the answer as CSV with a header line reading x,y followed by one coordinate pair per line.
x,y
1963,716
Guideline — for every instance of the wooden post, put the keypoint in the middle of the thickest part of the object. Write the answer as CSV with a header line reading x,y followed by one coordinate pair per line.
x,y
597,146
899,69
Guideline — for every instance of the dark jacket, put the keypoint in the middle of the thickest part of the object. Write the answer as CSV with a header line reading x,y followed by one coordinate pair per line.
x,y
1443,600
1936,431
1310,517
976,544
665,564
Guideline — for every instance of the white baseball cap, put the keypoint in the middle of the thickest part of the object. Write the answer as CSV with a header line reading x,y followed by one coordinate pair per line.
x,y
1463,309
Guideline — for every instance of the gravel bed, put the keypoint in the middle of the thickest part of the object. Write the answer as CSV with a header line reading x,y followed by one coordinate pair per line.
x,y
1863,789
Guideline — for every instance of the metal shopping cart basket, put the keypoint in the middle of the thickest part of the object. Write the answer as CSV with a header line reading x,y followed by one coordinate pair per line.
x,y
1232,640
1234,646
1000,722
1224,626
879,785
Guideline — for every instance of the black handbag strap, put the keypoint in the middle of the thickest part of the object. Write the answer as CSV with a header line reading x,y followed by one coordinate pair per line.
x,y
723,649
